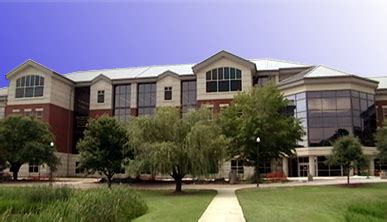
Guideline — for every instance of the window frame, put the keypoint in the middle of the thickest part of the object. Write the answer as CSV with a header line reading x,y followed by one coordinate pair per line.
x,y
168,93
29,86
223,79
101,96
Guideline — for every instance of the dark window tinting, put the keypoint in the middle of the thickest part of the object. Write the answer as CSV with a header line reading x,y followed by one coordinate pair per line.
x,y
332,114
168,93
224,79
29,86
101,96
122,95
146,98
188,92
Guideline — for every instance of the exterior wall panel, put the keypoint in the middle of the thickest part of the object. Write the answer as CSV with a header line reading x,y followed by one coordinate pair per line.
x,y
168,81
105,85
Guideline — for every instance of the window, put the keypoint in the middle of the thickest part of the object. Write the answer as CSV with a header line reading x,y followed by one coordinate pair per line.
x,y
28,113
332,114
168,93
188,92
33,168
29,86
39,114
101,96
122,102
146,98
224,79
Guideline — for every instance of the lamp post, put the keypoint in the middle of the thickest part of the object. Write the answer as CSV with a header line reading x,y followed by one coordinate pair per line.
x,y
257,176
52,146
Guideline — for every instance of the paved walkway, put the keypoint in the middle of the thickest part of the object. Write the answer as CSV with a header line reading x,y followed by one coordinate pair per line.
x,y
224,207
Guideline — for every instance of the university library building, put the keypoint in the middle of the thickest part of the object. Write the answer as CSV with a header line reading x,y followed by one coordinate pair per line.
x,y
326,100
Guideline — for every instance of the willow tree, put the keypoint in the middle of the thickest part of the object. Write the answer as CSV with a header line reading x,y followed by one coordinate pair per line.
x,y
177,145
26,140
260,112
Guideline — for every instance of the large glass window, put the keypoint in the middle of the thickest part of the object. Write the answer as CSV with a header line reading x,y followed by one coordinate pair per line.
x,y
297,105
146,98
188,92
335,113
29,86
224,79
122,102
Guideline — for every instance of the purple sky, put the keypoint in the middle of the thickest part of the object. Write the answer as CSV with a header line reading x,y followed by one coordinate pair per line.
x,y
67,37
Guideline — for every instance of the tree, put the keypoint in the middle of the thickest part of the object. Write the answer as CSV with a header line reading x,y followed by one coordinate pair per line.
x,y
381,143
26,140
178,145
260,112
347,153
102,149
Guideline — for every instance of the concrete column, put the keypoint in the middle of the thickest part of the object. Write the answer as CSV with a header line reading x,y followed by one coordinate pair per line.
x,y
285,166
372,167
312,168
133,95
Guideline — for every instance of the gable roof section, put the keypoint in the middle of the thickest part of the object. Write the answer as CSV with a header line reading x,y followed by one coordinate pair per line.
x,y
168,73
36,65
220,55
100,77
320,71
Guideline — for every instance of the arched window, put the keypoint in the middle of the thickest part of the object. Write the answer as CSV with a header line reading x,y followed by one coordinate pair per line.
x,y
29,86
224,79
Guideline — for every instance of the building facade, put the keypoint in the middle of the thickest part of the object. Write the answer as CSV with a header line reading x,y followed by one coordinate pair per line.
x,y
327,101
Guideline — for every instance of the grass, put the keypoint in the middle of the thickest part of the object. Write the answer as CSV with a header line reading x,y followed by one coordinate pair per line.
x,y
46,204
167,206
323,203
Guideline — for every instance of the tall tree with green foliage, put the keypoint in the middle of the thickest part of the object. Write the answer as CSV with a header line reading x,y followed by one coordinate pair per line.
x,y
347,153
178,145
103,149
260,112
26,140
381,142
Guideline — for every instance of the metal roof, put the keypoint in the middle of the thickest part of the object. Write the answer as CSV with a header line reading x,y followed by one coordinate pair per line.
x,y
155,71
272,64
323,71
382,81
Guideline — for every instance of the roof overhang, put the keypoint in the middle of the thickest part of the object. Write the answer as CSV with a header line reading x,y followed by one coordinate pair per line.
x,y
223,54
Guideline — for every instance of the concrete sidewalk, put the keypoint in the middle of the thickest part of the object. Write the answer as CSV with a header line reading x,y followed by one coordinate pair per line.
x,y
224,207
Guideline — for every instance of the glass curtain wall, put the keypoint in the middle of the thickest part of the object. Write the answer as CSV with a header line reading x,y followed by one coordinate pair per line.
x,y
188,95
146,98
122,95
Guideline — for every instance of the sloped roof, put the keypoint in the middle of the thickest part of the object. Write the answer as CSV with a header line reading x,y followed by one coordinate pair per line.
x,y
320,71
382,81
155,71
130,73
4,91
272,64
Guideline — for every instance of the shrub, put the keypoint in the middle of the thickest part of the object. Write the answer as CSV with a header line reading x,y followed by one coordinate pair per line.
x,y
99,205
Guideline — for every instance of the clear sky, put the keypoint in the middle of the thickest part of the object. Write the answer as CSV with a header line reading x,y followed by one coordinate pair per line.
x,y
347,35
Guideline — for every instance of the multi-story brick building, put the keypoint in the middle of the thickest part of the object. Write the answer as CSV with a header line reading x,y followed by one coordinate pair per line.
x,y
327,101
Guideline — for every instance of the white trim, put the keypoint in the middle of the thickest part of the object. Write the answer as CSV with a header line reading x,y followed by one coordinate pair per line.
x,y
27,110
39,109
16,110
224,105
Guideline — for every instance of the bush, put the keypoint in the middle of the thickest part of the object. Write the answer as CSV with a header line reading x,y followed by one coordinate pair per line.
x,y
99,205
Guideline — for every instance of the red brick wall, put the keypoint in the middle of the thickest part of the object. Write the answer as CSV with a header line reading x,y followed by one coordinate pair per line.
x,y
100,112
379,111
59,119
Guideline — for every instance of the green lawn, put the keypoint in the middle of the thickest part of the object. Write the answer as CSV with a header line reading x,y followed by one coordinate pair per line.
x,y
167,206
323,203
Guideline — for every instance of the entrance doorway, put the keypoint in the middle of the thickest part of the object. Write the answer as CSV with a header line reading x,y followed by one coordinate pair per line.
x,y
303,169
